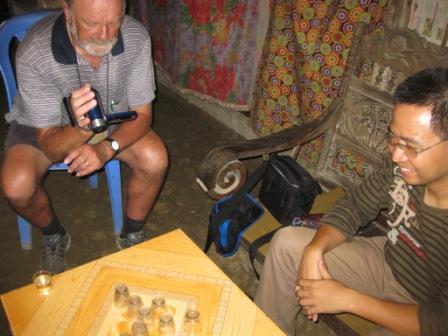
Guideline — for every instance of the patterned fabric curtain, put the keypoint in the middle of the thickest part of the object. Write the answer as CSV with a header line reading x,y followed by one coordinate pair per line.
x,y
205,47
304,57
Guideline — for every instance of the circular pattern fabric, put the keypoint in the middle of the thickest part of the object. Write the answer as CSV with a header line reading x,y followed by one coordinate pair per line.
x,y
304,58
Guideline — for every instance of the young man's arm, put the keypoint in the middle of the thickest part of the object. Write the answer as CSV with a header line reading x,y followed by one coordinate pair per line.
x,y
398,317
359,206
325,239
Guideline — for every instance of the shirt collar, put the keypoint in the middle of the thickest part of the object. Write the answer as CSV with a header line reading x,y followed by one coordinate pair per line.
x,y
62,48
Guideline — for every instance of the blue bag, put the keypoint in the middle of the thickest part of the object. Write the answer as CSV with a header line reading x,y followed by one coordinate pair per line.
x,y
230,229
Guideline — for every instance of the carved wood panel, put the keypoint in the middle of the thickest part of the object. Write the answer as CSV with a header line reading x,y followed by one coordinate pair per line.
x,y
356,144
358,141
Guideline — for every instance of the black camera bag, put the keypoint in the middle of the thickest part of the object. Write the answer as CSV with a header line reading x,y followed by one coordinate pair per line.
x,y
287,189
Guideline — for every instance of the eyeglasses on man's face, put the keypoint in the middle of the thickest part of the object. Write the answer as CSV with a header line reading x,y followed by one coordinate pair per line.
x,y
411,152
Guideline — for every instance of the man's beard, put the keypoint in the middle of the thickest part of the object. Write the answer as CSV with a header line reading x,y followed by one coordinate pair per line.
x,y
93,47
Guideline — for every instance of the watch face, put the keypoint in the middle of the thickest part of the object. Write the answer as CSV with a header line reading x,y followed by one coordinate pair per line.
x,y
115,145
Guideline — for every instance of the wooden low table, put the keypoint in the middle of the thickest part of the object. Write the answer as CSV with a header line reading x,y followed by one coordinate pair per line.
x,y
81,300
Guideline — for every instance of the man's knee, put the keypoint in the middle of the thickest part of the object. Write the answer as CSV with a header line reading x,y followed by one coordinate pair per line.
x,y
158,158
154,160
18,184
150,157
22,171
290,241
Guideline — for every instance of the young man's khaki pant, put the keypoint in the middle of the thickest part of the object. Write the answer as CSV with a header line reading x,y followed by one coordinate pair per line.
x,y
359,264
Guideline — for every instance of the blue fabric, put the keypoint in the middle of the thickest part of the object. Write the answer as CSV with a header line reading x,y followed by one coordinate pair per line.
x,y
239,220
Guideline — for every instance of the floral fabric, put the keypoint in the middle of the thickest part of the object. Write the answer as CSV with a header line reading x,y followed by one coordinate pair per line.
x,y
207,47
304,58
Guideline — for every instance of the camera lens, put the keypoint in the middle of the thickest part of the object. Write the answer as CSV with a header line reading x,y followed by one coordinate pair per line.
x,y
97,123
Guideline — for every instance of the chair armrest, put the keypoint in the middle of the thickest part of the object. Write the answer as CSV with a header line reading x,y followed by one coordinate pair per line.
x,y
221,172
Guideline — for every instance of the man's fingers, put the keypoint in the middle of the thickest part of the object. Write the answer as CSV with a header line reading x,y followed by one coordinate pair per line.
x,y
85,169
305,283
81,91
310,312
313,317
81,167
72,156
82,100
305,300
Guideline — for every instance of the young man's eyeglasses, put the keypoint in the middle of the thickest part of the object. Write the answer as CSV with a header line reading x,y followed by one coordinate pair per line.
x,y
409,151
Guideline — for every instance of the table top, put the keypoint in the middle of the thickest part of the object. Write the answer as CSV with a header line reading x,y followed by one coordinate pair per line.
x,y
81,300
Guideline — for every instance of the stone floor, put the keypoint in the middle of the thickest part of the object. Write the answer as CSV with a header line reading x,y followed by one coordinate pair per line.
x,y
189,134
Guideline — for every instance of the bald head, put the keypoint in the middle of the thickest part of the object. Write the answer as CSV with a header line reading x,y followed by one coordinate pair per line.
x,y
70,3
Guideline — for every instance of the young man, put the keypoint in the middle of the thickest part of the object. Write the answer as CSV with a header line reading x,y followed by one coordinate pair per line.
x,y
91,45
399,281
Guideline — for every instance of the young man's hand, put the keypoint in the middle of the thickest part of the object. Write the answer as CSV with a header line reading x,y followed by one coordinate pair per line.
x,y
309,269
323,296
325,239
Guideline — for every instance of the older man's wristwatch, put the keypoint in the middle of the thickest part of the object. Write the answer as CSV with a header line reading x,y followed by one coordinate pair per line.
x,y
113,144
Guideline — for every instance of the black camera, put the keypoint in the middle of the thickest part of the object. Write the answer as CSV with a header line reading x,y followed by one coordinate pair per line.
x,y
99,120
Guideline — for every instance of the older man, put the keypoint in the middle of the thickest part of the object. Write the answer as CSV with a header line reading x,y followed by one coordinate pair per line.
x,y
91,45
399,281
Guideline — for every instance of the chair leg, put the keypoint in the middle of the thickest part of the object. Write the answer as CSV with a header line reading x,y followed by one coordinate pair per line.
x,y
25,233
114,182
93,181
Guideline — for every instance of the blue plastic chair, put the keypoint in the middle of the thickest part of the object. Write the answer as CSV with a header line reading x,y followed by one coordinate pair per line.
x,y
16,28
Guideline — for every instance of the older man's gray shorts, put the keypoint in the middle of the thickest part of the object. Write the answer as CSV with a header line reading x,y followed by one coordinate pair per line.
x,y
21,135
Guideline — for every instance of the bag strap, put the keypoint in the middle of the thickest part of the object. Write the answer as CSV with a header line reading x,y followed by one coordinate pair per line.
x,y
231,204
256,244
